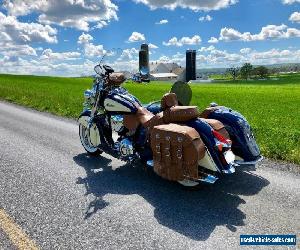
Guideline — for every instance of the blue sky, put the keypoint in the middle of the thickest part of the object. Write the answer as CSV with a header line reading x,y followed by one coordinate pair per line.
x,y
67,37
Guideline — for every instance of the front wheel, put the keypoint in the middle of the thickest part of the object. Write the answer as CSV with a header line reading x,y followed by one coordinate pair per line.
x,y
86,141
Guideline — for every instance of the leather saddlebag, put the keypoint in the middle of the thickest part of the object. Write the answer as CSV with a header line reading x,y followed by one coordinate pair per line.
x,y
176,151
180,113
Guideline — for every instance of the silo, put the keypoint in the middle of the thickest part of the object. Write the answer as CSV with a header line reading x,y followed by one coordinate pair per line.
x,y
144,58
190,65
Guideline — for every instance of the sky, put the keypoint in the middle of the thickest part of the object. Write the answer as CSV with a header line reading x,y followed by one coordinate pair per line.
x,y
68,37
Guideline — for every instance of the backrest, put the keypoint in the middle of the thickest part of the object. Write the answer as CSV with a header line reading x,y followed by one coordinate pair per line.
x,y
169,100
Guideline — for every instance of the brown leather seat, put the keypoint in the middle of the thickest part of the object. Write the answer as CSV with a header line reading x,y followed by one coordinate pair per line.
x,y
142,116
116,78
205,113
169,100
180,113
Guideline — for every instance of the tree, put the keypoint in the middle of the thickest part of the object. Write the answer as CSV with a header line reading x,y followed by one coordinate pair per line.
x,y
261,71
246,70
234,72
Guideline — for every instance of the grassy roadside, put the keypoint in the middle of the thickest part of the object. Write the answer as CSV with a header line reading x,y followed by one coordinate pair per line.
x,y
271,107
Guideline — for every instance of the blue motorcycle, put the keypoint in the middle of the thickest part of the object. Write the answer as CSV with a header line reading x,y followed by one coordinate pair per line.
x,y
117,123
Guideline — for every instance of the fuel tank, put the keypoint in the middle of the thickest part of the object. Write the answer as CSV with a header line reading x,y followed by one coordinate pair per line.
x,y
119,101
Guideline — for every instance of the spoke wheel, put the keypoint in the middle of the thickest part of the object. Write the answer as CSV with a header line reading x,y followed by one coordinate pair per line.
x,y
86,141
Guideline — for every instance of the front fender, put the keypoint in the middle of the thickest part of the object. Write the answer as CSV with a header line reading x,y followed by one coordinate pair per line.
x,y
84,117
94,133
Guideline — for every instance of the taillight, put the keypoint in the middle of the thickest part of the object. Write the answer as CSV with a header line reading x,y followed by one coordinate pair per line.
x,y
220,137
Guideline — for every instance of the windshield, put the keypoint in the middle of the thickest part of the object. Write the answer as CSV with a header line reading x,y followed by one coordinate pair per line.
x,y
109,58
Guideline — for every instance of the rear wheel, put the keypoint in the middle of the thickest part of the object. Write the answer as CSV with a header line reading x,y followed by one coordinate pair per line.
x,y
86,141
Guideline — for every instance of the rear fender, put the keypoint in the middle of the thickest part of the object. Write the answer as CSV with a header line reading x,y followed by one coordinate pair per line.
x,y
244,144
205,131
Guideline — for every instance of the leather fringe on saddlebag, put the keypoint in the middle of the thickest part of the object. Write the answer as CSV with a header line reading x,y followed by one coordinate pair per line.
x,y
176,151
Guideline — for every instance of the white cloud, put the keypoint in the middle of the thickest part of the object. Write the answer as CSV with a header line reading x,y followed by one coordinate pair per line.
x,y
68,13
152,46
90,50
21,33
267,32
130,66
207,18
245,51
290,1
45,67
205,49
213,40
48,54
174,41
273,56
11,50
85,38
219,58
295,17
100,25
164,59
214,58
163,21
223,58
136,37
195,5
128,54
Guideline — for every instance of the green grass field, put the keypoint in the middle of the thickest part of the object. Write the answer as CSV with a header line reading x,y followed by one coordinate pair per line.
x,y
272,107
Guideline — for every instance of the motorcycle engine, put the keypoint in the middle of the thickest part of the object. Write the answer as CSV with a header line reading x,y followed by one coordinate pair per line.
x,y
116,123
126,149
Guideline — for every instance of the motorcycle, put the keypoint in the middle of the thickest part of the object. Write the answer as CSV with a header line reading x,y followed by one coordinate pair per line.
x,y
115,122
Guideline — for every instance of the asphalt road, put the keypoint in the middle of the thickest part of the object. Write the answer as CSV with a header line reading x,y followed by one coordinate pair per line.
x,y
63,199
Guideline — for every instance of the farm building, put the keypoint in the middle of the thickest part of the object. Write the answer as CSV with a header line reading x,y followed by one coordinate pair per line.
x,y
167,71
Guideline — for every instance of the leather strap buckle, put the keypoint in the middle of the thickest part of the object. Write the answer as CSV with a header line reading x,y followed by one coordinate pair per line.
x,y
179,154
158,149
167,152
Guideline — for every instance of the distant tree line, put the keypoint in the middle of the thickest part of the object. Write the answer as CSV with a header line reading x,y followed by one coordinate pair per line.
x,y
248,71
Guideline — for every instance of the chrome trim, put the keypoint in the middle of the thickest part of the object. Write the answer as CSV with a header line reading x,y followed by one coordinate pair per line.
x,y
150,163
231,170
209,179
241,162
